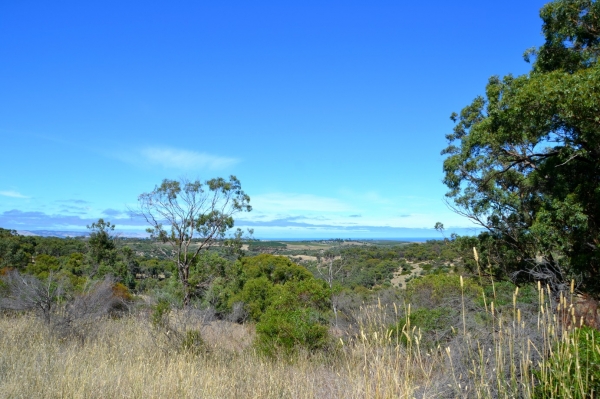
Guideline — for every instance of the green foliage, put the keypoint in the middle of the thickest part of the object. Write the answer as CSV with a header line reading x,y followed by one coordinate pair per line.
x,y
209,273
438,287
295,317
310,293
101,242
154,267
524,161
160,314
289,330
74,263
256,294
277,269
289,305
58,247
433,326
573,367
190,216
43,265
15,250
571,32
262,277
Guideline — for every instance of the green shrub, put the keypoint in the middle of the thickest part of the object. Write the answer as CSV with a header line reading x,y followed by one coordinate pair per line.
x,y
289,305
256,295
436,288
573,368
43,266
160,314
310,293
295,317
502,294
277,269
260,274
288,330
434,325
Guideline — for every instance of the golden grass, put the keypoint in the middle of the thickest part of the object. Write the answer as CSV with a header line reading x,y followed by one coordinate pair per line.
x,y
125,359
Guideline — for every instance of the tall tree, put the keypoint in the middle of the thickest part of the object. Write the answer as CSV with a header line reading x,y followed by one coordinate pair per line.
x,y
101,245
190,216
524,160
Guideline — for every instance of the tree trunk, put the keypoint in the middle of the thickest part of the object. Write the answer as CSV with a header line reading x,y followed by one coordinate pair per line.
x,y
184,274
186,294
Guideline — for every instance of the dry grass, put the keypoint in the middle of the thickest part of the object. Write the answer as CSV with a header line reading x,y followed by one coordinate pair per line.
x,y
125,360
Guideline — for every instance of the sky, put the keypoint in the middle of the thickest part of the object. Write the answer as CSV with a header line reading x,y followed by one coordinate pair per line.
x,y
331,114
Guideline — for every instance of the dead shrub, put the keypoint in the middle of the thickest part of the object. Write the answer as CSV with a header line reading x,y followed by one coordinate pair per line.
x,y
179,330
66,314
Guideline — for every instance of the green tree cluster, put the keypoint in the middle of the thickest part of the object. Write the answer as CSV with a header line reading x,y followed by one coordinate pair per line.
x,y
524,160
15,250
72,260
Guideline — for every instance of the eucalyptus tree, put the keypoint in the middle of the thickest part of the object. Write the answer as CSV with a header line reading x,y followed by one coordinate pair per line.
x,y
329,265
191,216
101,245
523,161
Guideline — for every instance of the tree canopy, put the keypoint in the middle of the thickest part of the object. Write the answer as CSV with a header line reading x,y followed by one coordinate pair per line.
x,y
190,216
523,161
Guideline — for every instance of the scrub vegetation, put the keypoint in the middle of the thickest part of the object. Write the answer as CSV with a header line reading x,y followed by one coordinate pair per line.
x,y
197,310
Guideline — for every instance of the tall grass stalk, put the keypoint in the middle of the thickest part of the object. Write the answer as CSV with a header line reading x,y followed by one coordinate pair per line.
x,y
508,353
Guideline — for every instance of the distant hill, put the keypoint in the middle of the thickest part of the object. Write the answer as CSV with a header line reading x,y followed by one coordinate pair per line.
x,y
65,234
52,233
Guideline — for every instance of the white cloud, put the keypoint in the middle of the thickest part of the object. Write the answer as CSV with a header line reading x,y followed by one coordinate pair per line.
x,y
13,194
184,159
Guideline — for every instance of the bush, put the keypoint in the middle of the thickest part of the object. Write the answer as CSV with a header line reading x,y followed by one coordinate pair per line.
x,y
295,317
277,269
160,314
573,368
288,330
435,289
287,302
435,326
122,292
260,274
256,294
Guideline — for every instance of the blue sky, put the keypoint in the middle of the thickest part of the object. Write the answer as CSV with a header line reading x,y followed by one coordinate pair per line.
x,y
331,114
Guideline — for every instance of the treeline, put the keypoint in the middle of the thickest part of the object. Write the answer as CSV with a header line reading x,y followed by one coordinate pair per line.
x,y
373,266
79,259
144,265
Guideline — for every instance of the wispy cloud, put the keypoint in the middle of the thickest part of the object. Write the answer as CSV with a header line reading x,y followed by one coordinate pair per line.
x,y
183,159
284,203
13,194
31,220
